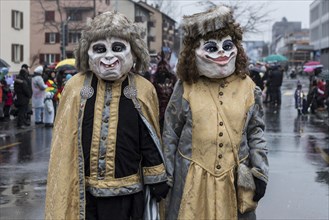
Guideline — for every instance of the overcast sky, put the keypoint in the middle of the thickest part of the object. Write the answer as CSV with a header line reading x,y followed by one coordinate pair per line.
x,y
293,10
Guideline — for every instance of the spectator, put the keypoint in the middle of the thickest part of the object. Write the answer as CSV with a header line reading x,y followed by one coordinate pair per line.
x,y
38,87
23,91
49,110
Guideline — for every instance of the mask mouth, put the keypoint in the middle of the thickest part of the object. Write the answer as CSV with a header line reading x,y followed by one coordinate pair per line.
x,y
109,65
221,60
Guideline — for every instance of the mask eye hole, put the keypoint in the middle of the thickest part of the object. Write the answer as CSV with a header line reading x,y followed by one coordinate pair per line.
x,y
118,47
228,45
210,47
99,48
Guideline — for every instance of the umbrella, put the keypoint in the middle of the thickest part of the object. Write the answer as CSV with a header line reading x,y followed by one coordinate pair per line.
x,y
308,69
275,58
312,63
3,63
67,65
67,69
67,62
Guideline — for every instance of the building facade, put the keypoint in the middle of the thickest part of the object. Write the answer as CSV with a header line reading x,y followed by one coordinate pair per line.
x,y
319,29
280,29
15,33
56,28
296,47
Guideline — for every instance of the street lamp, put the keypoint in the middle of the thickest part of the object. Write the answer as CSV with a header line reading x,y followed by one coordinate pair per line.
x,y
65,31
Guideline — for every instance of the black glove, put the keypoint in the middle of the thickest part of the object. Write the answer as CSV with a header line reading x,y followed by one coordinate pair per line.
x,y
260,189
159,190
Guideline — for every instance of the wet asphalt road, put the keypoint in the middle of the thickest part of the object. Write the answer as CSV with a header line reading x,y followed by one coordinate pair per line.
x,y
299,165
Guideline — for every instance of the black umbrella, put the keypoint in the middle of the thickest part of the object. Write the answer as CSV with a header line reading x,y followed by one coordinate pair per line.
x,y
3,63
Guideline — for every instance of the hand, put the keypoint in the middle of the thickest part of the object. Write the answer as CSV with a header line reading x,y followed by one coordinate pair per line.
x,y
159,190
260,189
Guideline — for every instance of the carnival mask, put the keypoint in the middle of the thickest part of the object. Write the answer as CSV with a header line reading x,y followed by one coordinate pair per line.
x,y
216,58
110,59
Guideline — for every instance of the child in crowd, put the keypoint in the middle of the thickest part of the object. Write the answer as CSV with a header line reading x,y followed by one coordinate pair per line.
x,y
49,110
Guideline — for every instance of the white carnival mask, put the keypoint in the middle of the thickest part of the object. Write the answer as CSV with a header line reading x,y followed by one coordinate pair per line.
x,y
110,59
216,58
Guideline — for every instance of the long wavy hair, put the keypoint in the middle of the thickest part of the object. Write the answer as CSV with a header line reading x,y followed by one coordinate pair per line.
x,y
187,70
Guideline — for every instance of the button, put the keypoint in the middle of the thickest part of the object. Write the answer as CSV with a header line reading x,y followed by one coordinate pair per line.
x,y
106,120
108,103
104,138
220,134
218,167
220,156
102,157
220,102
220,145
221,123
221,93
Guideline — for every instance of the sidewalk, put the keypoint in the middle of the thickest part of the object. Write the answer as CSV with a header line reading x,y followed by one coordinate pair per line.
x,y
9,129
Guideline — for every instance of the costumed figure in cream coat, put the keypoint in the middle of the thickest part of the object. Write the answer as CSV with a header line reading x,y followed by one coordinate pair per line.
x,y
106,160
213,134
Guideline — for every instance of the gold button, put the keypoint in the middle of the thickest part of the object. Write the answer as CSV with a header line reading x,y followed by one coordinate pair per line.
x,y
220,134
221,123
221,93
220,156
220,145
218,167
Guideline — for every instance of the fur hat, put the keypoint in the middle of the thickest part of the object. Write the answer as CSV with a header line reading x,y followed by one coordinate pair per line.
x,y
205,22
112,24
38,69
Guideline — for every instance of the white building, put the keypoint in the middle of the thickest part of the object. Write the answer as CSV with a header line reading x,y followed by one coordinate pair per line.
x,y
15,33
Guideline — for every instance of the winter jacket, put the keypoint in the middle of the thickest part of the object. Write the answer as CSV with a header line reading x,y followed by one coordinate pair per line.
x,y
38,87
22,88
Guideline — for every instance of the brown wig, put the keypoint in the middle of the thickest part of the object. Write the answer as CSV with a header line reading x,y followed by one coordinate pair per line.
x,y
187,70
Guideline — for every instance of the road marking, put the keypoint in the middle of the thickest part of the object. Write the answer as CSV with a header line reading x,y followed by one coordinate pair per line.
x,y
10,145
288,93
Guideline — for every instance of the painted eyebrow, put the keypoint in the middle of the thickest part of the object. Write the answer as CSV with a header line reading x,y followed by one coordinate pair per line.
x,y
209,41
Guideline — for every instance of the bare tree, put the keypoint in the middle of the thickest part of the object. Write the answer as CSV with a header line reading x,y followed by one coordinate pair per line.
x,y
251,16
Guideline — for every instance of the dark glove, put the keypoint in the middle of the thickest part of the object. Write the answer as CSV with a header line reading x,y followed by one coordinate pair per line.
x,y
260,189
159,190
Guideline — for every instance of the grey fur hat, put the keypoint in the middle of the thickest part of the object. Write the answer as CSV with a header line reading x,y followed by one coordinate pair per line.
x,y
202,23
112,24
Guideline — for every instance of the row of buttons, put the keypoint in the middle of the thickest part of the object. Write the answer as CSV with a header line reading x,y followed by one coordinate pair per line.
x,y
220,156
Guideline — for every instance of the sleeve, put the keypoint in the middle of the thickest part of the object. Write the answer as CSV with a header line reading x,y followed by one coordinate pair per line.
x,y
41,84
173,125
150,153
257,144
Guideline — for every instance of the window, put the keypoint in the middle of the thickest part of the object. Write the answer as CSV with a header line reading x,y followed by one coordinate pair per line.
x,y
51,38
74,15
74,37
49,16
16,19
49,58
17,53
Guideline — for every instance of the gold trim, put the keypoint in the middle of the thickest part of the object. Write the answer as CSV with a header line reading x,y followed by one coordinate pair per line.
x,y
109,182
155,170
